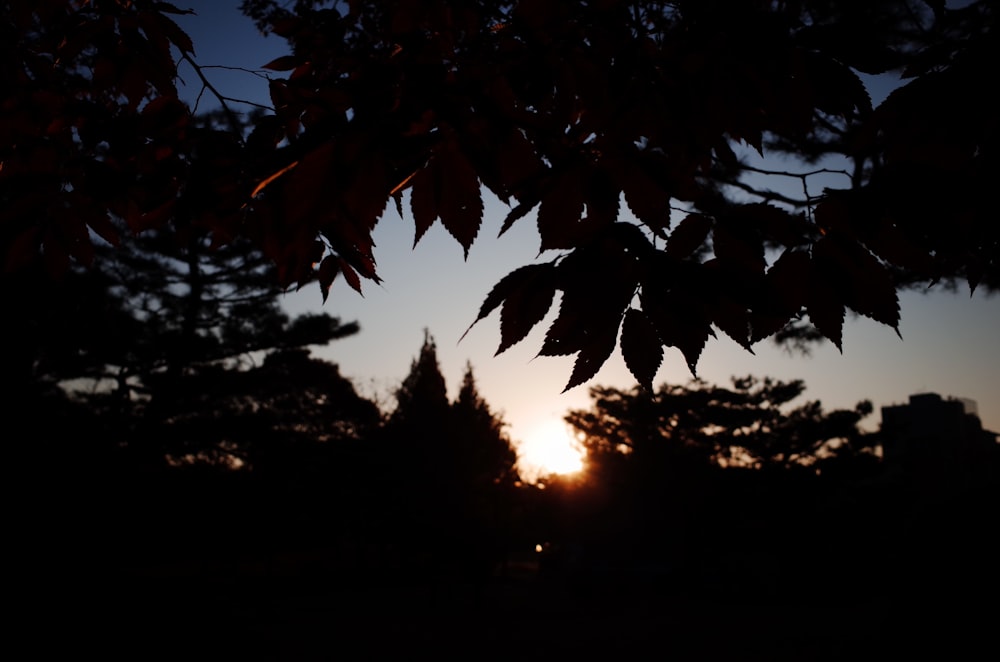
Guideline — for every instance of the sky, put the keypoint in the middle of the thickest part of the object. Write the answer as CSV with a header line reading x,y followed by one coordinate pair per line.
x,y
948,345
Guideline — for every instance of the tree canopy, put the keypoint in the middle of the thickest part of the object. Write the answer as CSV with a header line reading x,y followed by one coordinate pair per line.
x,y
560,108
751,425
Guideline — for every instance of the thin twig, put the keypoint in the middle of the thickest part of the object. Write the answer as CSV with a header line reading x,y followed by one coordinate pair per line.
x,y
766,195
798,175
230,115
255,72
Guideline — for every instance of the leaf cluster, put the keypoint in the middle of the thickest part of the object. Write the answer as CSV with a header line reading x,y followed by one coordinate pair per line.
x,y
560,108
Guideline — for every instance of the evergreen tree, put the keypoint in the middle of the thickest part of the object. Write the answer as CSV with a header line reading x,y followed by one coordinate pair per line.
x,y
422,398
181,348
482,448
447,494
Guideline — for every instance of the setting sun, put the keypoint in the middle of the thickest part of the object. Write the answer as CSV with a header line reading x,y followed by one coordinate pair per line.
x,y
550,449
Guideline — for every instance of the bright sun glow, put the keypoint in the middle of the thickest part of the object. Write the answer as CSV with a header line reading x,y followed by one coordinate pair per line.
x,y
550,449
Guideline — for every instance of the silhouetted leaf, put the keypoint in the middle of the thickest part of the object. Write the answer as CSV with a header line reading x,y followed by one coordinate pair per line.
x,y
519,279
460,204
568,332
680,321
367,194
519,211
646,198
786,289
641,347
566,108
689,235
350,275
825,302
867,286
525,307
423,202
560,212
171,30
736,245
397,198
328,269
733,319
597,348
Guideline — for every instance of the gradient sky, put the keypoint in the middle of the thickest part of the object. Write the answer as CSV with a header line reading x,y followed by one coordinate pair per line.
x,y
949,341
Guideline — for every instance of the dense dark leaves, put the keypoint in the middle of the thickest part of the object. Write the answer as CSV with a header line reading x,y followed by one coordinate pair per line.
x,y
557,107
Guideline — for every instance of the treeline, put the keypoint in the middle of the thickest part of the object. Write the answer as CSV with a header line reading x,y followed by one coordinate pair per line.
x,y
745,493
174,418
169,421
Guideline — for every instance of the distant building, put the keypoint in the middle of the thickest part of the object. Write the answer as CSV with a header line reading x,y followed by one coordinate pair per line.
x,y
933,432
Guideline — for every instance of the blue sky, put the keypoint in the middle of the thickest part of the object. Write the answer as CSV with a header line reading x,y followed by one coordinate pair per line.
x,y
949,340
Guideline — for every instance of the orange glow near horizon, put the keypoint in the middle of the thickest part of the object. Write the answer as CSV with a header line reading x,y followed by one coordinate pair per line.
x,y
549,449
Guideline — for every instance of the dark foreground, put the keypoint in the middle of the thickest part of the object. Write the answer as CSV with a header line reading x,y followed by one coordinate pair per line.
x,y
174,613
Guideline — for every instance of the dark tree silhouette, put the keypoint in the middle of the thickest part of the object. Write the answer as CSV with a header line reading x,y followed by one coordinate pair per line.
x,y
751,425
720,491
165,336
448,489
554,106
482,443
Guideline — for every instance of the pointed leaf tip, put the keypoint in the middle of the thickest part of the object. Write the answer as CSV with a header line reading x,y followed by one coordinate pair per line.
x,y
641,347
592,357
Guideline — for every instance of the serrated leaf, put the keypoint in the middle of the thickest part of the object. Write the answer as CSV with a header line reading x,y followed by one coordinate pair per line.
x,y
742,250
365,198
866,285
560,211
641,347
328,269
508,285
680,322
648,200
518,212
733,319
169,29
824,302
873,292
827,315
350,275
397,198
423,201
602,196
568,332
597,349
460,203
785,291
516,162
523,309
689,235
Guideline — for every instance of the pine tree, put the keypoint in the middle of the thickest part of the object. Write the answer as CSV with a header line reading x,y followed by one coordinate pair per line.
x,y
483,449
176,343
447,493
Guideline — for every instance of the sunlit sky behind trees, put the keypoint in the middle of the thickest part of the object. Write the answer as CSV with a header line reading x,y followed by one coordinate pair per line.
x,y
948,346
